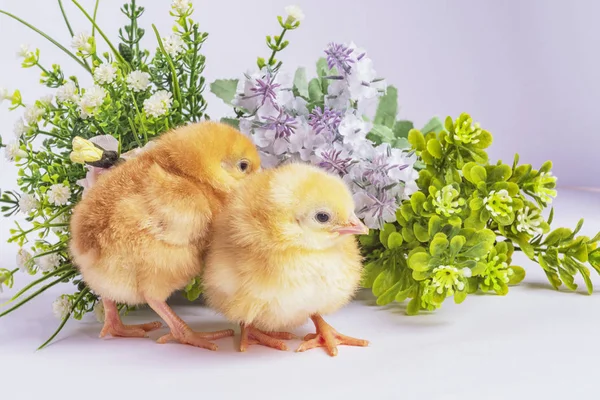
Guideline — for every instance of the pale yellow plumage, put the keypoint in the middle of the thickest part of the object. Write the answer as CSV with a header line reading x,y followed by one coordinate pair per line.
x,y
272,264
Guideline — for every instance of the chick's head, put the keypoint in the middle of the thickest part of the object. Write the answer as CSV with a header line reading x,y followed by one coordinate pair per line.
x,y
316,208
215,153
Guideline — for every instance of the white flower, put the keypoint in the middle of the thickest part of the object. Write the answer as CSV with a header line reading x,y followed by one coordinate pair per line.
x,y
19,128
158,104
295,13
105,74
99,311
173,45
83,42
46,99
138,81
61,307
23,260
24,51
91,100
33,114
48,262
529,221
181,6
59,194
67,92
13,152
4,94
28,203
466,272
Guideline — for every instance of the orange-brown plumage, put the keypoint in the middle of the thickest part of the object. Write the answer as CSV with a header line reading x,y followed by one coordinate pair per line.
x,y
275,261
140,232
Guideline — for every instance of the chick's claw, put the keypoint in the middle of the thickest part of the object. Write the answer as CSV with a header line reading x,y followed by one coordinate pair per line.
x,y
251,335
197,339
328,338
120,330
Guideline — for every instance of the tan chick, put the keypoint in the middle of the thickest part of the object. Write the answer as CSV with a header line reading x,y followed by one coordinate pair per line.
x,y
140,232
284,251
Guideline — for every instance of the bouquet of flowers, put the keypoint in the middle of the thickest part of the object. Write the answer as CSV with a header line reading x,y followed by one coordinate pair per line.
x,y
444,221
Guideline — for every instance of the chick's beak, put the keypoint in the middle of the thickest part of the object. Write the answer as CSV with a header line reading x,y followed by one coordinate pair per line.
x,y
353,227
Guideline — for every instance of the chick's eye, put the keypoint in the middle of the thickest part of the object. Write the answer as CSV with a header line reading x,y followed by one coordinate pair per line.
x,y
243,165
322,217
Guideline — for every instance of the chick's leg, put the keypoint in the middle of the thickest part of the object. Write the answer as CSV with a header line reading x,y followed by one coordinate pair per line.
x,y
250,335
181,332
328,337
114,326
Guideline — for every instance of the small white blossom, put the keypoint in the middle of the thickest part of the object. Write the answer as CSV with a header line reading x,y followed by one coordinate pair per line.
x,y
105,74
33,114
61,307
529,221
13,152
173,45
158,104
295,13
83,42
181,6
28,203
99,311
59,194
23,260
91,100
466,272
48,262
47,99
67,92
4,94
24,51
19,128
138,81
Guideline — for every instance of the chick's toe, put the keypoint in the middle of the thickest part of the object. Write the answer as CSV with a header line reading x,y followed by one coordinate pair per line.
x,y
251,335
114,326
328,338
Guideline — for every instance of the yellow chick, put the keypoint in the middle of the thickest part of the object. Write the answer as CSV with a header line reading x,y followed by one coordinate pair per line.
x,y
283,251
141,230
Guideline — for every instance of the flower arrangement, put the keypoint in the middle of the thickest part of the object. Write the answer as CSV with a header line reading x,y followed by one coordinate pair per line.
x,y
444,221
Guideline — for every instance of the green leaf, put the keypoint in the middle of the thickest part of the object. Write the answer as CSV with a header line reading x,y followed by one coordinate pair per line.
x,y
386,279
231,122
385,233
434,147
408,234
517,276
403,294
301,83
401,128
389,295
394,240
438,245
557,235
381,134
500,173
224,89
585,274
387,108
485,140
478,174
420,232
421,275
322,67
435,224
460,296
456,245
315,93
370,272
416,201
434,125
414,305
567,279
419,261
416,139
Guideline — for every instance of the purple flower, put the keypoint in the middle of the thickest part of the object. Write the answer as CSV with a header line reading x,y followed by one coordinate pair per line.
x,y
338,55
376,210
332,161
283,125
376,170
266,88
326,121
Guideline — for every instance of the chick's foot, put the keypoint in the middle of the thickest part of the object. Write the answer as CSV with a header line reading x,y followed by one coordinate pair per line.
x,y
181,332
328,338
251,335
114,326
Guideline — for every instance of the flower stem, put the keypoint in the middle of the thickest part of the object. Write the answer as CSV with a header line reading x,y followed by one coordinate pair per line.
x,y
42,290
94,22
112,47
62,10
277,44
60,46
65,319
176,91
40,280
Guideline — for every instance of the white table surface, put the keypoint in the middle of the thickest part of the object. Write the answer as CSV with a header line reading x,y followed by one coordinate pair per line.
x,y
534,343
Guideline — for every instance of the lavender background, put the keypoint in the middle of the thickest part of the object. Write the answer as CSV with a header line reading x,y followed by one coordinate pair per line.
x,y
527,71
